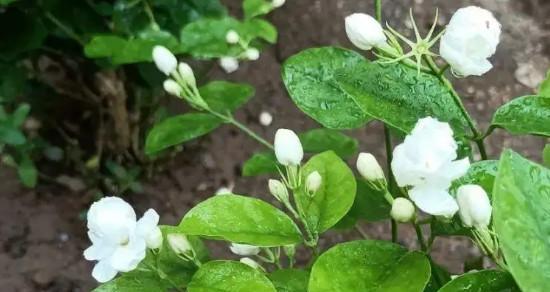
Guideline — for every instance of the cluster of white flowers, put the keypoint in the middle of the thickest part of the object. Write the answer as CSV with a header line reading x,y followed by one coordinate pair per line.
x,y
471,37
119,241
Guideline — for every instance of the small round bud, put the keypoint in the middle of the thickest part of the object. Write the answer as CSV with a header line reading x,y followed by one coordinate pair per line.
x,y
252,54
154,239
229,64
313,181
369,168
474,206
402,210
251,263
187,74
288,148
364,31
172,87
164,59
223,191
179,243
244,249
278,190
278,3
232,37
265,118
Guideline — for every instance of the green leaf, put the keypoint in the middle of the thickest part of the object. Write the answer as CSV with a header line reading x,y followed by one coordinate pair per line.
x,y
546,155
310,80
6,2
258,28
544,89
482,281
290,280
521,202
335,196
176,130
10,135
13,84
26,170
369,265
241,219
223,96
480,173
26,32
253,8
320,140
138,280
229,276
524,115
369,205
20,114
260,163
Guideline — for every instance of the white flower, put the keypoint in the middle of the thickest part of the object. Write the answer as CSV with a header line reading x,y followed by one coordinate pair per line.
x,y
229,64
426,161
118,242
187,74
164,59
471,38
278,3
232,37
172,87
474,206
251,263
402,210
265,118
364,31
288,148
224,191
252,54
179,243
244,249
313,181
278,190
368,167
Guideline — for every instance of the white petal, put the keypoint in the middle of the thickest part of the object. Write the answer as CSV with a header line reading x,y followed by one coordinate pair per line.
x,y
98,252
126,258
103,272
434,201
147,223
288,148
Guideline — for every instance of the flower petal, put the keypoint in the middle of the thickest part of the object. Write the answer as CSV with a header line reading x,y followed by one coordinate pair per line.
x,y
103,272
434,201
127,257
147,223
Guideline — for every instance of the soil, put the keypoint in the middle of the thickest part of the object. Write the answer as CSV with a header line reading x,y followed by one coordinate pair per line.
x,y
42,231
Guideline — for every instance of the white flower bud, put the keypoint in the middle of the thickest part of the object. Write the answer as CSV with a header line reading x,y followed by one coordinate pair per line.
x,y
265,118
402,210
232,37
364,31
187,74
288,148
154,239
369,168
172,87
474,206
164,59
251,263
278,3
278,190
244,249
313,181
252,54
224,191
472,36
229,64
179,243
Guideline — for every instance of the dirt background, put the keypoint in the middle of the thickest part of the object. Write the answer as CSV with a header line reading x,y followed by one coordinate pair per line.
x,y
42,234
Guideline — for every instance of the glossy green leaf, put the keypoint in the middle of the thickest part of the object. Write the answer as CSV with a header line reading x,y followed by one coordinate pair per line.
x,y
334,198
482,281
309,78
223,96
229,276
480,173
241,219
290,280
544,89
321,140
259,28
369,205
260,163
26,170
369,265
521,202
176,130
253,8
546,155
524,115
138,280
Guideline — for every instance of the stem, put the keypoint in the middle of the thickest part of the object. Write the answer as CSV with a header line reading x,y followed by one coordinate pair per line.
x,y
68,31
150,14
420,237
391,178
378,9
361,231
458,102
394,231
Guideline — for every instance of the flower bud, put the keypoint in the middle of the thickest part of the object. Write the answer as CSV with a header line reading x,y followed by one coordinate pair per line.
x,y
369,168
474,206
179,243
402,210
288,148
232,37
186,74
251,263
313,181
154,239
252,54
244,249
278,190
364,31
224,191
265,118
164,59
229,64
278,3
172,87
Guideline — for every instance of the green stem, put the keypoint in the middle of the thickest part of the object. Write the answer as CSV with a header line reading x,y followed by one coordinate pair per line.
x,y
67,30
150,14
394,233
420,237
391,179
439,73
378,9
361,231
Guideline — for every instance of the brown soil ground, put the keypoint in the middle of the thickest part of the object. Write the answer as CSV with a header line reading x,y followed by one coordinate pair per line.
x,y
42,233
